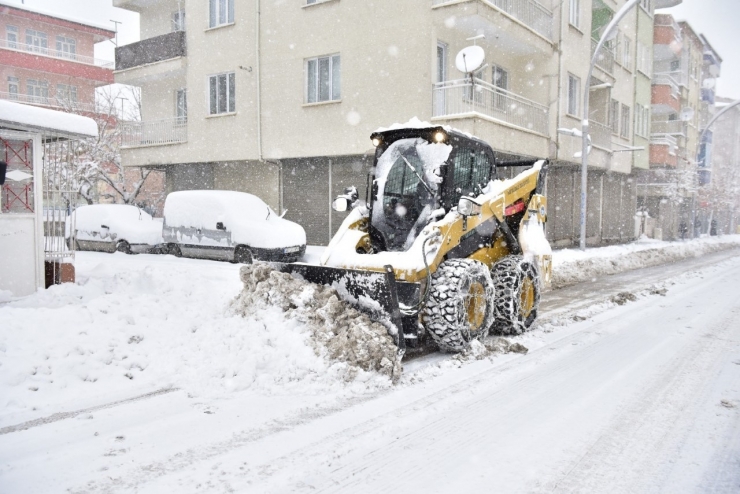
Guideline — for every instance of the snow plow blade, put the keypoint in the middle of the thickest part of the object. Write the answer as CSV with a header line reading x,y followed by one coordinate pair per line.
x,y
369,291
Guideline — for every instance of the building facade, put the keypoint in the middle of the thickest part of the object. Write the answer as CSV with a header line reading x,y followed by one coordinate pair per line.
x,y
279,99
48,60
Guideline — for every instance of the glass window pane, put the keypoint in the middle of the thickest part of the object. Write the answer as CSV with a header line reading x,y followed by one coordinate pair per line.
x,y
231,10
212,13
336,76
311,88
222,93
232,93
324,80
213,95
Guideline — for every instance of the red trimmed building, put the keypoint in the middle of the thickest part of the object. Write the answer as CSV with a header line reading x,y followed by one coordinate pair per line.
x,y
48,60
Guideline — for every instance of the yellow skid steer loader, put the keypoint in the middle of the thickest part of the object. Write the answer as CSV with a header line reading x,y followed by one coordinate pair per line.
x,y
440,247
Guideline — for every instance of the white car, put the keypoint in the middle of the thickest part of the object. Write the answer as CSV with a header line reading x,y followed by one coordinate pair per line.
x,y
229,226
113,227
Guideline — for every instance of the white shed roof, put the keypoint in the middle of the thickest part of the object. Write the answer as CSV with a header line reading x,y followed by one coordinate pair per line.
x,y
32,118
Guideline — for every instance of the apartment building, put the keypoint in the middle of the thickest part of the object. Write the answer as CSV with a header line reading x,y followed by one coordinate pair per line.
x,y
667,192
719,197
48,60
279,98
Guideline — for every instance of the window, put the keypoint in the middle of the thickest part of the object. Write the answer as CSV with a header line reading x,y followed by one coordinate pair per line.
x,y
642,120
618,45
500,79
647,5
221,12
472,170
323,79
222,97
13,87
38,91
574,94
66,47
441,61
178,21
36,41
675,65
625,121
66,93
644,61
181,104
11,35
614,116
626,53
575,13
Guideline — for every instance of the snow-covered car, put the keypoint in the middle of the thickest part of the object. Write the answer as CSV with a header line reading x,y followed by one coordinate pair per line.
x,y
113,227
229,226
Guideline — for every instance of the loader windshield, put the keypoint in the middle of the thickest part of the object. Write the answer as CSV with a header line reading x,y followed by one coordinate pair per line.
x,y
408,174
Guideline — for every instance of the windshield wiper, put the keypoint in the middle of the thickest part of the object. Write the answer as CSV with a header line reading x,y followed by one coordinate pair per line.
x,y
417,175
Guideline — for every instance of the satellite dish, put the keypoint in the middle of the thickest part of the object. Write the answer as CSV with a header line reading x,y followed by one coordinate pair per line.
x,y
470,59
709,83
687,114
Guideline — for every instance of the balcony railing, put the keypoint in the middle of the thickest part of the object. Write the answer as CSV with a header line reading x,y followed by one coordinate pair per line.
x,y
70,106
164,47
601,134
61,55
606,57
664,140
154,133
528,12
461,97
667,79
670,127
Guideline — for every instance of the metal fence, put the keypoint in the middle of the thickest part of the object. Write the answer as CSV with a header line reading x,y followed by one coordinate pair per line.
x,y
48,52
667,79
463,96
155,132
672,127
605,61
528,12
56,103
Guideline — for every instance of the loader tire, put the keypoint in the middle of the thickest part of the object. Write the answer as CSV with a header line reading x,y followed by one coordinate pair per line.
x,y
460,304
123,246
517,285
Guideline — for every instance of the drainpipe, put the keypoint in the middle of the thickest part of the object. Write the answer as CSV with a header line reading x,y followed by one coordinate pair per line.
x,y
259,76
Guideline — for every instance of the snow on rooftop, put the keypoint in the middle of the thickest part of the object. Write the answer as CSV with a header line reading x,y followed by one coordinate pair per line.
x,y
68,18
45,120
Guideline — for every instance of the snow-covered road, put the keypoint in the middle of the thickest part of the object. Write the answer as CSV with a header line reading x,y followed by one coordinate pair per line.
x,y
638,397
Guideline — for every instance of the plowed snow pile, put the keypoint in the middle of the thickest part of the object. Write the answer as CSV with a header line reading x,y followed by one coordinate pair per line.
x,y
339,332
574,266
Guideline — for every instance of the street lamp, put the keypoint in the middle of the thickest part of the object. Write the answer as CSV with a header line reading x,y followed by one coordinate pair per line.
x,y
585,144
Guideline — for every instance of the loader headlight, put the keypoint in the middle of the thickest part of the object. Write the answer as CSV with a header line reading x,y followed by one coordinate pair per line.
x,y
440,136
468,206
376,141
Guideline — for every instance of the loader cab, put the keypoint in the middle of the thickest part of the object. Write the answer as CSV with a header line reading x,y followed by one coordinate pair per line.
x,y
417,172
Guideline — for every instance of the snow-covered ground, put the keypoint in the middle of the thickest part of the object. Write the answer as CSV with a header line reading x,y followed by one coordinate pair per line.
x,y
141,378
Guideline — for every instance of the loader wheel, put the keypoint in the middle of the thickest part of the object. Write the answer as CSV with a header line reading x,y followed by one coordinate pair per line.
x,y
174,249
517,285
460,304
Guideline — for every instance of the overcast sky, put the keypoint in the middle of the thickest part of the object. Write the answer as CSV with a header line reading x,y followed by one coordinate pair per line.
x,y
718,20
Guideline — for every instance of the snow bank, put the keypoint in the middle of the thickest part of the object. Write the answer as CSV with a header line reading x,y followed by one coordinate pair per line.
x,y
136,324
338,331
572,266
249,220
123,221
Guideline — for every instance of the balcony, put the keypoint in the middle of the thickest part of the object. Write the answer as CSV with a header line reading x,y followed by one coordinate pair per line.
x,y
601,135
152,50
606,57
669,127
528,12
59,55
663,150
68,106
461,97
154,133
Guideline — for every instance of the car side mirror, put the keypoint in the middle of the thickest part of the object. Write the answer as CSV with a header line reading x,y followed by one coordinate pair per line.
x,y
220,226
3,169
